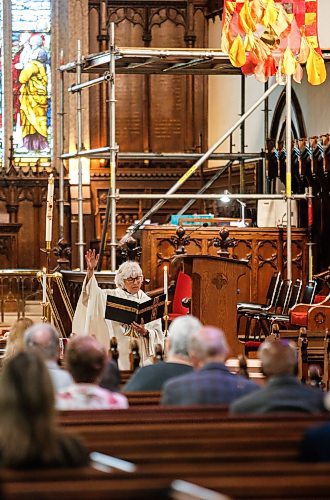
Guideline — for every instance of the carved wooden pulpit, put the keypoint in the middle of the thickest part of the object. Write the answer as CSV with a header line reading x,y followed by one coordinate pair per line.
x,y
215,292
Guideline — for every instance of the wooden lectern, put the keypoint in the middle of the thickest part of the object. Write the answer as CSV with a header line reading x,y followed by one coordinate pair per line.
x,y
215,292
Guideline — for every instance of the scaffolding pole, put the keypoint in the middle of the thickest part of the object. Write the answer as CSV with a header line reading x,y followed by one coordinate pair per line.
x,y
208,184
80,243
113,145
103,153
242,169
194,168
288,179
61,146
212,196
266,132
85,85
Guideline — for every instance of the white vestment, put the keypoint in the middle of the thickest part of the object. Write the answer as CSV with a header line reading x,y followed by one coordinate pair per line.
x,y
89,320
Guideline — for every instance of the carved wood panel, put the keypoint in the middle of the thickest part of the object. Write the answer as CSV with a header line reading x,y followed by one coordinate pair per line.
x,y
261,247
153,113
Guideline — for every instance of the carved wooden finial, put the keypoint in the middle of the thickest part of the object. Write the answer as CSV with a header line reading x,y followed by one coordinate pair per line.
x,y
134,356
63,251
223,242
180,240
242,366
159,353
114,353
131,250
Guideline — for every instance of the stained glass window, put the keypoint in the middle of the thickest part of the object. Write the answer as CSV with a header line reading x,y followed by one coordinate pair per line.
x,y
31,69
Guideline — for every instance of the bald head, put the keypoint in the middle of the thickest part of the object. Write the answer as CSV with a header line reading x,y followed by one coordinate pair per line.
x,y
207,345
278,357
43,338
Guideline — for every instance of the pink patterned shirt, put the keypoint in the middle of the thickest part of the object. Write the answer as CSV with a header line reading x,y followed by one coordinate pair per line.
x,y
89,397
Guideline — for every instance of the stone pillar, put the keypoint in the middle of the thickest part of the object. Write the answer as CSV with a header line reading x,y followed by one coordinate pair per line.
x,y
72,24
7,82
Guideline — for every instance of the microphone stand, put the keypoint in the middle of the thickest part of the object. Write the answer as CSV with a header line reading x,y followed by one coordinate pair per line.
x,y
243,206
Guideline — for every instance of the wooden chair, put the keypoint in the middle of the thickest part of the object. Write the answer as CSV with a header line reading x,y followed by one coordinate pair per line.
x,y
313,349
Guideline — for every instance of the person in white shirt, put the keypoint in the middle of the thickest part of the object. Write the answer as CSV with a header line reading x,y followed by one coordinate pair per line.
x,y
44,338
89,318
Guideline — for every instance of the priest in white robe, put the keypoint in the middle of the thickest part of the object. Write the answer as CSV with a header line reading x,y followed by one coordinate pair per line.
x,y
89,318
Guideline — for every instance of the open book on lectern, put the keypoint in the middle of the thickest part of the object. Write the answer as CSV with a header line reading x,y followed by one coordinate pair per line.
x,y
127,311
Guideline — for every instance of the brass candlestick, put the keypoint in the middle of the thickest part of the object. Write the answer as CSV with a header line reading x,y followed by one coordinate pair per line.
x,y
46,311
165,318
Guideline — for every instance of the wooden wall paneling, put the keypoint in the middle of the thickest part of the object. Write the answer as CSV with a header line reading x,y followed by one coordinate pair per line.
x,y
258,245
98,93
130,131
266,252
9,245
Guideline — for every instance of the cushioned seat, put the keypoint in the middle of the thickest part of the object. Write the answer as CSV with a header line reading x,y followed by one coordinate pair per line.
x,y
182,291
300,317
299,313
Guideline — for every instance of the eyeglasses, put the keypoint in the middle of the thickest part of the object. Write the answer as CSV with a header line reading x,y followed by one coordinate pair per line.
x,y
137,278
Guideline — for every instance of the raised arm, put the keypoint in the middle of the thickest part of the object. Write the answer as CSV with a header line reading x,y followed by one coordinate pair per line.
x,y
91,262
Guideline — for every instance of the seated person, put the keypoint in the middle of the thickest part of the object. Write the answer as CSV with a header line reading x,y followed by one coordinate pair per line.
x,y
212,382
44,339
315,446
153,377
111,377
89,317
283,391
15,337
29,437
86,360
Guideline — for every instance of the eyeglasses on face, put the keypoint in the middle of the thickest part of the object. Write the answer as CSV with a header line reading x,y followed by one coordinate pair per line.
x,y
137,278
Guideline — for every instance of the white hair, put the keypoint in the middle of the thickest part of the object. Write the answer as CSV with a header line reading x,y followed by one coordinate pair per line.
x,y
129,269
180,331
44,338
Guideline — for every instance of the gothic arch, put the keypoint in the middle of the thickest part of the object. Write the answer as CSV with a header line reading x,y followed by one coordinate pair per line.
x,y
277,129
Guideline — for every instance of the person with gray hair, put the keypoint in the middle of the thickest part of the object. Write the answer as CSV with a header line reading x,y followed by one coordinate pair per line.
x,y
283,391
211,382
89,318
153,377
44,338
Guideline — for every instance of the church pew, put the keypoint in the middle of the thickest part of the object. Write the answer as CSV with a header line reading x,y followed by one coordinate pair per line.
x,y
194,414
147,398
228,428
144,415
250,461
275,439
302,481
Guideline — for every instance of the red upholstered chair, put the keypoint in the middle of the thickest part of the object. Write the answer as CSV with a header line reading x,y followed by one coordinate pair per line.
x,y
182,291
315,317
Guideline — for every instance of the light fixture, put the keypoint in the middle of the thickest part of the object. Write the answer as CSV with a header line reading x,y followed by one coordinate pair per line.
x,y
225,199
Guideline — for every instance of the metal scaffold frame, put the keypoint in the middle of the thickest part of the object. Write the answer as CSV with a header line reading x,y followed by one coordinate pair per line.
x,y
160,61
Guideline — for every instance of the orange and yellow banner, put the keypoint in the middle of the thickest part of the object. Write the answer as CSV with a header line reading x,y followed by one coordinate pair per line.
x,y
266,37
